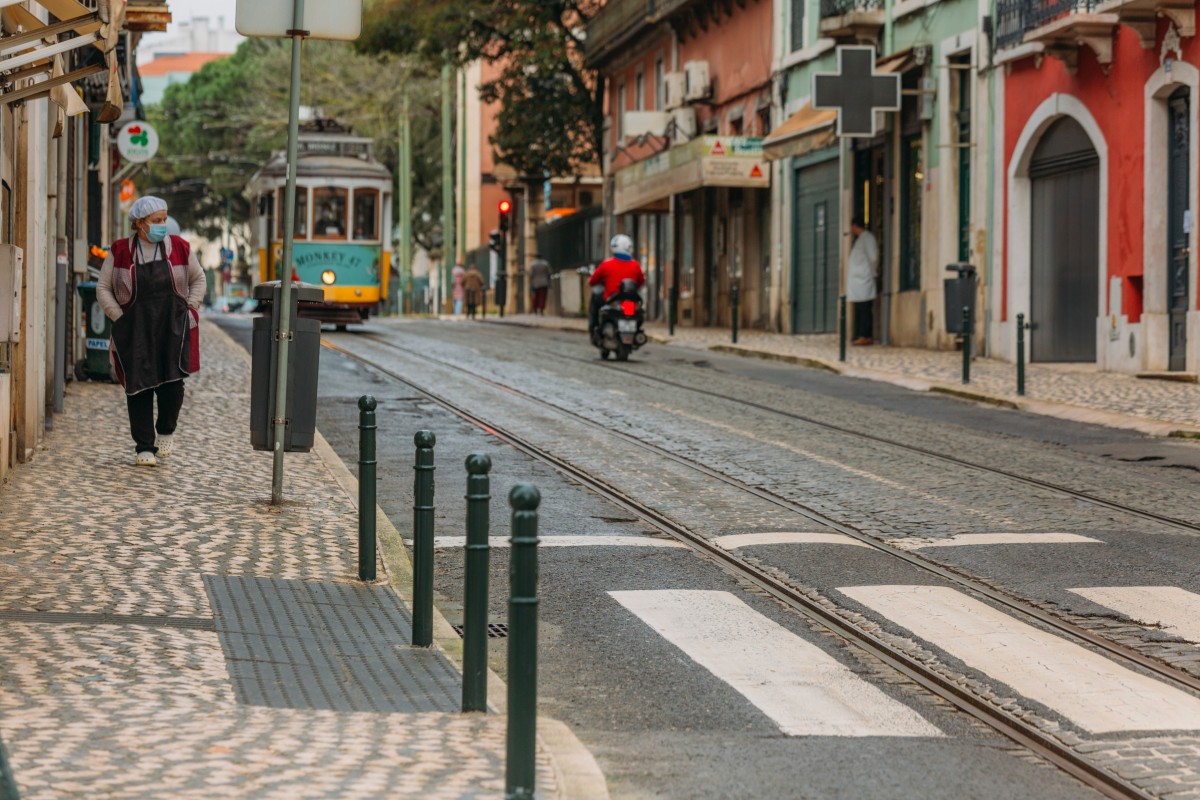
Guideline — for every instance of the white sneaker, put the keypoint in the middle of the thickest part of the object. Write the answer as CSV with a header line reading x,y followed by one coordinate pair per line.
x,y
165,445
146,459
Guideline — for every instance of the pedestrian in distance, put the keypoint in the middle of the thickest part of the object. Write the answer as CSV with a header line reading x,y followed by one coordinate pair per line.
x,y
456,279
473,286
539,282
151,287
860,281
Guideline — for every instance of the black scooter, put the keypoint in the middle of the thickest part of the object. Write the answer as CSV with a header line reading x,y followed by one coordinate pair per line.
x,y
618,328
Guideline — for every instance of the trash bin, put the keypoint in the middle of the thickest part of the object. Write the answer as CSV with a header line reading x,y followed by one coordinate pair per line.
x,y
304,353
958,292
97,328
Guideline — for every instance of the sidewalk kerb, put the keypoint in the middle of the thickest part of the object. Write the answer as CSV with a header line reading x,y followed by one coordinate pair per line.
x,y
578,773
767,355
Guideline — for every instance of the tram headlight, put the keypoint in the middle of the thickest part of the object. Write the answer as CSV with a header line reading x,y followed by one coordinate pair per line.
x,y
328,277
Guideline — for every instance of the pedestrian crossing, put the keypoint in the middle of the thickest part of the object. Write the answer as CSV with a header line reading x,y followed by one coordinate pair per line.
x,y
806,692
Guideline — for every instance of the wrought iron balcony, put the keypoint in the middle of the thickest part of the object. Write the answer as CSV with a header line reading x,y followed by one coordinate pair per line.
x,y
1061,27
852,21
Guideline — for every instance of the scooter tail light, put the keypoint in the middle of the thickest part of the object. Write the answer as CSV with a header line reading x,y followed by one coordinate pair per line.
x,y
628,308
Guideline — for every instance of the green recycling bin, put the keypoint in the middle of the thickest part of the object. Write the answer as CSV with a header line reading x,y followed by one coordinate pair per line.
x,y
97,328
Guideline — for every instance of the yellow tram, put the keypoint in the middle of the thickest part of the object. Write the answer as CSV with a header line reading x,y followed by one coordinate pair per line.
x,y
343,221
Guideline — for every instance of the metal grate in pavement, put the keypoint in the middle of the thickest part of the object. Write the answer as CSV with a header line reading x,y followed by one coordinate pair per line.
x,y
63,618
496,630
331,646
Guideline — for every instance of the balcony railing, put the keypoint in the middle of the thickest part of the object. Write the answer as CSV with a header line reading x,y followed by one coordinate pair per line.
x,y
838,8
1014,18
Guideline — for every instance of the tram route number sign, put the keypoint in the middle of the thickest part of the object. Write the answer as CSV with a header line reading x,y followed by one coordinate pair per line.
x,y
323,19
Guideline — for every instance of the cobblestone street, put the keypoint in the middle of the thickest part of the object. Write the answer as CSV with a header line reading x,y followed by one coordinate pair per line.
x,y
113,679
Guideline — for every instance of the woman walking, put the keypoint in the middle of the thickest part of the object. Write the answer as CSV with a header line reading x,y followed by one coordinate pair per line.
x,y
151,287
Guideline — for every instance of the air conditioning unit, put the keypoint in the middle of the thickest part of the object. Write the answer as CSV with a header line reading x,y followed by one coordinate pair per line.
x,y
685,125
11,261
646,123
673,84
697,85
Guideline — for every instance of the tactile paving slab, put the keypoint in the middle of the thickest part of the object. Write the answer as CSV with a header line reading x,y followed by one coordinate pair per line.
x,y
330,646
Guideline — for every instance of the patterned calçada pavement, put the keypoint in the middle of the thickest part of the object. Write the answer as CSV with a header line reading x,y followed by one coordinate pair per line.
x,y
116,678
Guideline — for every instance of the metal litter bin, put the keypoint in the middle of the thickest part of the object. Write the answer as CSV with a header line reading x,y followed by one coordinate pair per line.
x,y
97,328
304,353
958,292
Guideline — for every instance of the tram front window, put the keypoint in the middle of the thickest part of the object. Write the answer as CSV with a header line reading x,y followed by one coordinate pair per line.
x,y
301,212
330,205
366,214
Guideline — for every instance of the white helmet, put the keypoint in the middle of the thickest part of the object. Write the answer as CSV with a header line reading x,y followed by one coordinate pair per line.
x,y
621,245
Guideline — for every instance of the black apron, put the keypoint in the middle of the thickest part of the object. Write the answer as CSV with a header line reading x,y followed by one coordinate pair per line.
x,y
150,339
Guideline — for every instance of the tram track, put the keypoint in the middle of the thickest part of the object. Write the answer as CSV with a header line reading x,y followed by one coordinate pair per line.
x,y
1019,730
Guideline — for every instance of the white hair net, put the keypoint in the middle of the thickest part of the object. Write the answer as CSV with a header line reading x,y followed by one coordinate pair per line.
x,y
145,206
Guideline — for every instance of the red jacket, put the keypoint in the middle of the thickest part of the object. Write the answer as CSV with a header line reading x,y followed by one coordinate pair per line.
x,y
614,270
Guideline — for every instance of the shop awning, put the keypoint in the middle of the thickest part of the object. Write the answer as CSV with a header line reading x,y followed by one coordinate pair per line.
x,y
735,161
807,130
31,49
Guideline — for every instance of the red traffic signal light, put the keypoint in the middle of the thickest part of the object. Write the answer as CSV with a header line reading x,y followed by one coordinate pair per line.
x,y
505,207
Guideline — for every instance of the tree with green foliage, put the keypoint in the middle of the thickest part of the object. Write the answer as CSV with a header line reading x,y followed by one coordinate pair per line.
x,y
550,115
224,123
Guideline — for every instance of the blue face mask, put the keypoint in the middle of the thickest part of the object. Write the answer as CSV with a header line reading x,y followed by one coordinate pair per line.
x,y
157,233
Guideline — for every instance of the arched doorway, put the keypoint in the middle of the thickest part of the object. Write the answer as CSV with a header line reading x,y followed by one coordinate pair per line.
x,y
1064,245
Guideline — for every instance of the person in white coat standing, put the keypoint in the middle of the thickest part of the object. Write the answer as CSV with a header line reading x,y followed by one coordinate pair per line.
x,y
860,281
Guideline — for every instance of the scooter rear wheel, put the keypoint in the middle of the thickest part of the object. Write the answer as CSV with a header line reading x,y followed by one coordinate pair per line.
x,y
623,353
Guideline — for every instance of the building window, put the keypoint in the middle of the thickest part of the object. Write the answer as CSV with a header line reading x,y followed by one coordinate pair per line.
x,y
797,24
639,91
735,126
912,183
621,114
660,86
961,75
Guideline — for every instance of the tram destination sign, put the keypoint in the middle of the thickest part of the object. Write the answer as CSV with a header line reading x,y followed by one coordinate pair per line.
x,y
323,19
856,92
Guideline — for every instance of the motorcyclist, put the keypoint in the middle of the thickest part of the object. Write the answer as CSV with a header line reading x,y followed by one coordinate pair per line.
x,y
619,267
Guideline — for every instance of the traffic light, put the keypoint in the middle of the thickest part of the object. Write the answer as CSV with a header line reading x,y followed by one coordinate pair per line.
x,y
494,241
505,210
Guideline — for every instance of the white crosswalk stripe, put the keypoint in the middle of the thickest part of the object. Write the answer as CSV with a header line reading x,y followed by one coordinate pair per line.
x,y
804,690
1097,694
1175,610
734,541
450,542
976,539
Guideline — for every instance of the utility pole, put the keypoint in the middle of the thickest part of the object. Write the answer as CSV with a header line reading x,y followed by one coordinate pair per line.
x,y
448,250
462,170
405,189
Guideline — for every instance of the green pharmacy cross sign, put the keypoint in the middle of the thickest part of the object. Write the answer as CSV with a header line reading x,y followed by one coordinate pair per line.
x,y
856,92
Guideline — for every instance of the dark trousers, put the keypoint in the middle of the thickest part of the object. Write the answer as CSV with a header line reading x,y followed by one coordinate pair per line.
x,y
472,303
864,320
141,414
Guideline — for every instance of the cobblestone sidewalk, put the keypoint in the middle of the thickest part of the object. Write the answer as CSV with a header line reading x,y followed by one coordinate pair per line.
x,y
116,678
1071,391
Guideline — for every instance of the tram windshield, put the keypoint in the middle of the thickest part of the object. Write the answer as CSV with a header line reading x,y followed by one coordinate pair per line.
x,y
329,221
366,214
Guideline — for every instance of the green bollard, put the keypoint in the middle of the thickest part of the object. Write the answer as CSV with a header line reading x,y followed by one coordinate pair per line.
x,y
366,488
842,329
966,345
735,311
1021,355
8,784
520,773
672,309
423,540
475,593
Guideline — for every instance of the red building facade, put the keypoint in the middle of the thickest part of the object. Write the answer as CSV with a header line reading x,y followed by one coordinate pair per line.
x,y
1096,183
